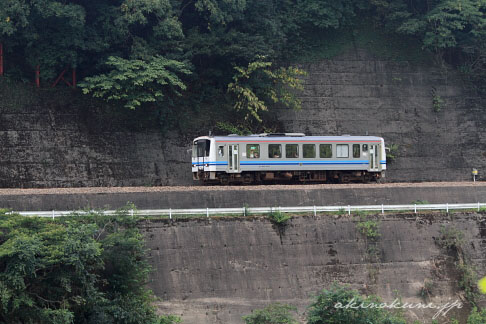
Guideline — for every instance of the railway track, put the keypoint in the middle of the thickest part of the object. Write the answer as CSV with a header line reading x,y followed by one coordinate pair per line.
x,y
118,190
179,197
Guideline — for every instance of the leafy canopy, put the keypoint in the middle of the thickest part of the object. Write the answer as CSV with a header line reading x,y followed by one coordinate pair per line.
x,y
75,270
135,82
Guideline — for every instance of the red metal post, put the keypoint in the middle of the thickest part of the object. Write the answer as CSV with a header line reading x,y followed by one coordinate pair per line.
x,y
74,78
37,76
60,77
1,59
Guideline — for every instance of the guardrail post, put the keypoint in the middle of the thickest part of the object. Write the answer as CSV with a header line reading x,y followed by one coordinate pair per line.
x,y
315,211
53,215
478,205
349,210
382,209
415,208
447,208
207,212
131,212
170,213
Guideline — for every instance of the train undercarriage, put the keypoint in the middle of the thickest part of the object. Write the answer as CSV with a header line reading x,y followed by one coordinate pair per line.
x,y
260,177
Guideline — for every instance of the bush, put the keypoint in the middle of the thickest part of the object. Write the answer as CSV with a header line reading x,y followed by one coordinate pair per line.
x,y
278,218
330,307
272,314
477,317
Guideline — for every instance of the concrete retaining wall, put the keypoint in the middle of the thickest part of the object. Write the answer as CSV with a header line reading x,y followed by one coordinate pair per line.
x,y
67,141
215,271
219,197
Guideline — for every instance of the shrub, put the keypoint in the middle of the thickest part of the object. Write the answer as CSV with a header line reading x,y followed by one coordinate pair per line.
x,y
272,314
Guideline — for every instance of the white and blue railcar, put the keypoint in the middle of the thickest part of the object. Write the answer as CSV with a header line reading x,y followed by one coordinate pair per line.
x,y
294,156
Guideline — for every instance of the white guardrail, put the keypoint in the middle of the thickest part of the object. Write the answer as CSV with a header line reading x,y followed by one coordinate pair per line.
x,y
245,211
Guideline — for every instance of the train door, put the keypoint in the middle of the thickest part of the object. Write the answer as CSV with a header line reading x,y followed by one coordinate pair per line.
x,y
201,148
233,158
374,163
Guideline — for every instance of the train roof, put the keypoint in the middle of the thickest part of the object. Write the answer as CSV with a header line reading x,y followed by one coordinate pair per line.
x,y
296,137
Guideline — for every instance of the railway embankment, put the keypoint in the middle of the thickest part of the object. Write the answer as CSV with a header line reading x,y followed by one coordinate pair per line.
x,y
213,271
240,196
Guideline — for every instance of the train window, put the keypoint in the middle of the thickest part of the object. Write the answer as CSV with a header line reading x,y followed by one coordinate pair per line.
x,y
342,150
325,151
253,151
365,147
221,150
274,150
309,151
203,148
291,151
356,151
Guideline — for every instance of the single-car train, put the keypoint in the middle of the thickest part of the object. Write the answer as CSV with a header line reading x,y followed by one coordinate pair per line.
x,y
293,157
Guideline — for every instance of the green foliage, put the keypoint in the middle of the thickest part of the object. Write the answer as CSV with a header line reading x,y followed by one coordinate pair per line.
x,y
272,314
450,238
329,306
278,218
370,228
420,202
88,269
392,152
426,290
146,52
437,102
468,281
477,316
229,128
137,81
256,86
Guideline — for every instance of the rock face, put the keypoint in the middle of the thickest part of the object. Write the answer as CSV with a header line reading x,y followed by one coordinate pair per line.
x,y
215,271
47,143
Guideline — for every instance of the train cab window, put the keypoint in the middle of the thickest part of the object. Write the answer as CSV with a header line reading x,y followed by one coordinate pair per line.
x,y
325,151
342,150
203,147
365,147
274,151
252,151
291,151
221,151
309,151
356,151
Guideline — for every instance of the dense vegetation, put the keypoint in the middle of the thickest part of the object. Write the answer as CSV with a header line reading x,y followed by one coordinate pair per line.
x,y
331,306
224,55
76,270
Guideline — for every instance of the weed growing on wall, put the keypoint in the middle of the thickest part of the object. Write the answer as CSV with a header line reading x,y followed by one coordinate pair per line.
x,y
452,239
278,218
369,228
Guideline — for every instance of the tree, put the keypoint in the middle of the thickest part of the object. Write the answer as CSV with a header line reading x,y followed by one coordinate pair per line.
x,y
135,82
88,269
257,86
272,314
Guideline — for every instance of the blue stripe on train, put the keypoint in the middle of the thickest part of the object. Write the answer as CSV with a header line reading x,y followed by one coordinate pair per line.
x,y
288,162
